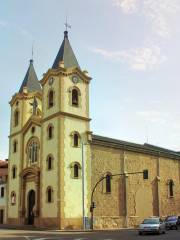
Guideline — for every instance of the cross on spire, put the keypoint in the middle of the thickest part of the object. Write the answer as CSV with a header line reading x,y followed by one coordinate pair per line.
x,y
32,52
67,25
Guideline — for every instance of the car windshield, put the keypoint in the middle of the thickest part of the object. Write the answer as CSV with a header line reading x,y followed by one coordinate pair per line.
x,y
151,221
173,218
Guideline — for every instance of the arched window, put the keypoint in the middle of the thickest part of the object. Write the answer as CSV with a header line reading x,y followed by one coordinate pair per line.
x,y
16,118
15,146
33,151
2,192
76,170
49,162
14,172
108,183
50,131
13,198
171,190
51,99
75,99
49,194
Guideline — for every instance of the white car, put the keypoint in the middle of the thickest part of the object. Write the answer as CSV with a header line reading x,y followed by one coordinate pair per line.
x,y
152,225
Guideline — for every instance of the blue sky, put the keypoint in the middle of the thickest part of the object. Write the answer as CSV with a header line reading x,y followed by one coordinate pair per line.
x,y
131,48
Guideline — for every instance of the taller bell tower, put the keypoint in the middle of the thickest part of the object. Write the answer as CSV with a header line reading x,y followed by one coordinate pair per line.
x,y
65,138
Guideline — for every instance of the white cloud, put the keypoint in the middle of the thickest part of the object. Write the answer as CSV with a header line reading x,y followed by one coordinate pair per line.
x,y
154,116
140,59
128,6
19,29
158,13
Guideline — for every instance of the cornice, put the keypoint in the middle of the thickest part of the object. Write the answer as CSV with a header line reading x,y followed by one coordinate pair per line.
x,y
97,140
24,96
60,113
33,120
65,72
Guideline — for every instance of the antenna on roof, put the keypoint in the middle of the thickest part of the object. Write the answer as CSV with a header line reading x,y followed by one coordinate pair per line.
x,y
147,134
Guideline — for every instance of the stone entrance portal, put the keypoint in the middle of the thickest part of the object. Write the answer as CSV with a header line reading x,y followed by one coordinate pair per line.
x,y
30,195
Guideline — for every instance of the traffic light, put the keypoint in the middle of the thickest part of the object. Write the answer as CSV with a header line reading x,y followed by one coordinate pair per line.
x,y
94,205
145,174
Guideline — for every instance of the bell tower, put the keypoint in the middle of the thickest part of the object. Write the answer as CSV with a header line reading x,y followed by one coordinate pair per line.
x,y
21,116
65,107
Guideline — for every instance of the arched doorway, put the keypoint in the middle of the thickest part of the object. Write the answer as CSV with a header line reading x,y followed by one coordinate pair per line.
x,y
31,204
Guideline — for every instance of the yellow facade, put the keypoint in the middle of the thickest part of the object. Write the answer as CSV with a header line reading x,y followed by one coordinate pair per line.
x,y
46,149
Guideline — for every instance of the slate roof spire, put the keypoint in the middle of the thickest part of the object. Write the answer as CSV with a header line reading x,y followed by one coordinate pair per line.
x,y
30,81
66,54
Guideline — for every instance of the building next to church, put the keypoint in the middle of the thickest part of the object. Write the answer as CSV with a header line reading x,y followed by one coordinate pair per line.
x,y
55,160
3,190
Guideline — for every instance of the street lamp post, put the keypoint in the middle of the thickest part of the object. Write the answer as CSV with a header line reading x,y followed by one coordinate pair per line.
x,y
83,190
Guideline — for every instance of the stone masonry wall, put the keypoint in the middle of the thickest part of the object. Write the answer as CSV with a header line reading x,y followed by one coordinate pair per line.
x,y
128,204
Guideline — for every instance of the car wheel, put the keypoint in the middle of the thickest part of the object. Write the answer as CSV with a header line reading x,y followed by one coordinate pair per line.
x,y
164,232
140,233
176,227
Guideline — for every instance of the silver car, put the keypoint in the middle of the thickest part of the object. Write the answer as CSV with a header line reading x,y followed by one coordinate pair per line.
x,y
152,225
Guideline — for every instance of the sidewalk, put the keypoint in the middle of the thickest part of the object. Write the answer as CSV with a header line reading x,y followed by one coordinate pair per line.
x,y
33,228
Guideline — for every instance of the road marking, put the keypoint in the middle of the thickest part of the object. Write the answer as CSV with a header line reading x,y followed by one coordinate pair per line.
x,y
80,238
41,238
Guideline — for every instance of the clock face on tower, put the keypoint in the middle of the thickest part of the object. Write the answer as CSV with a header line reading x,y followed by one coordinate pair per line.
x,y
75,79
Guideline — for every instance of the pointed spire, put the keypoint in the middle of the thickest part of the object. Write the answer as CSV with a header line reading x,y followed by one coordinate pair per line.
x,y
66,54
30,81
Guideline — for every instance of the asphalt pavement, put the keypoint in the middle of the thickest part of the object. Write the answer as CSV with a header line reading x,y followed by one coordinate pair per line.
x,y
96,235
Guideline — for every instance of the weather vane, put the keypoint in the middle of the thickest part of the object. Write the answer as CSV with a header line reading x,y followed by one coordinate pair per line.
x,y
67,25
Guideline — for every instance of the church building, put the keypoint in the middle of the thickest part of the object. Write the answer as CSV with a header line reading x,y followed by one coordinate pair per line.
x,y
55,160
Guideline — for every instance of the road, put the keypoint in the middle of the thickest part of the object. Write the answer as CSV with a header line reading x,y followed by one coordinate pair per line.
x,y
97,235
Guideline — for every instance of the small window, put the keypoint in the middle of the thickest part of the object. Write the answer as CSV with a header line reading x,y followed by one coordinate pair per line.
x,y
49,194
145,174
49,162
14,172
108,183
76,171
2,192
13,198
16,118
171,190
51,99
50,132
75,97
76,140
15,146
33,129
